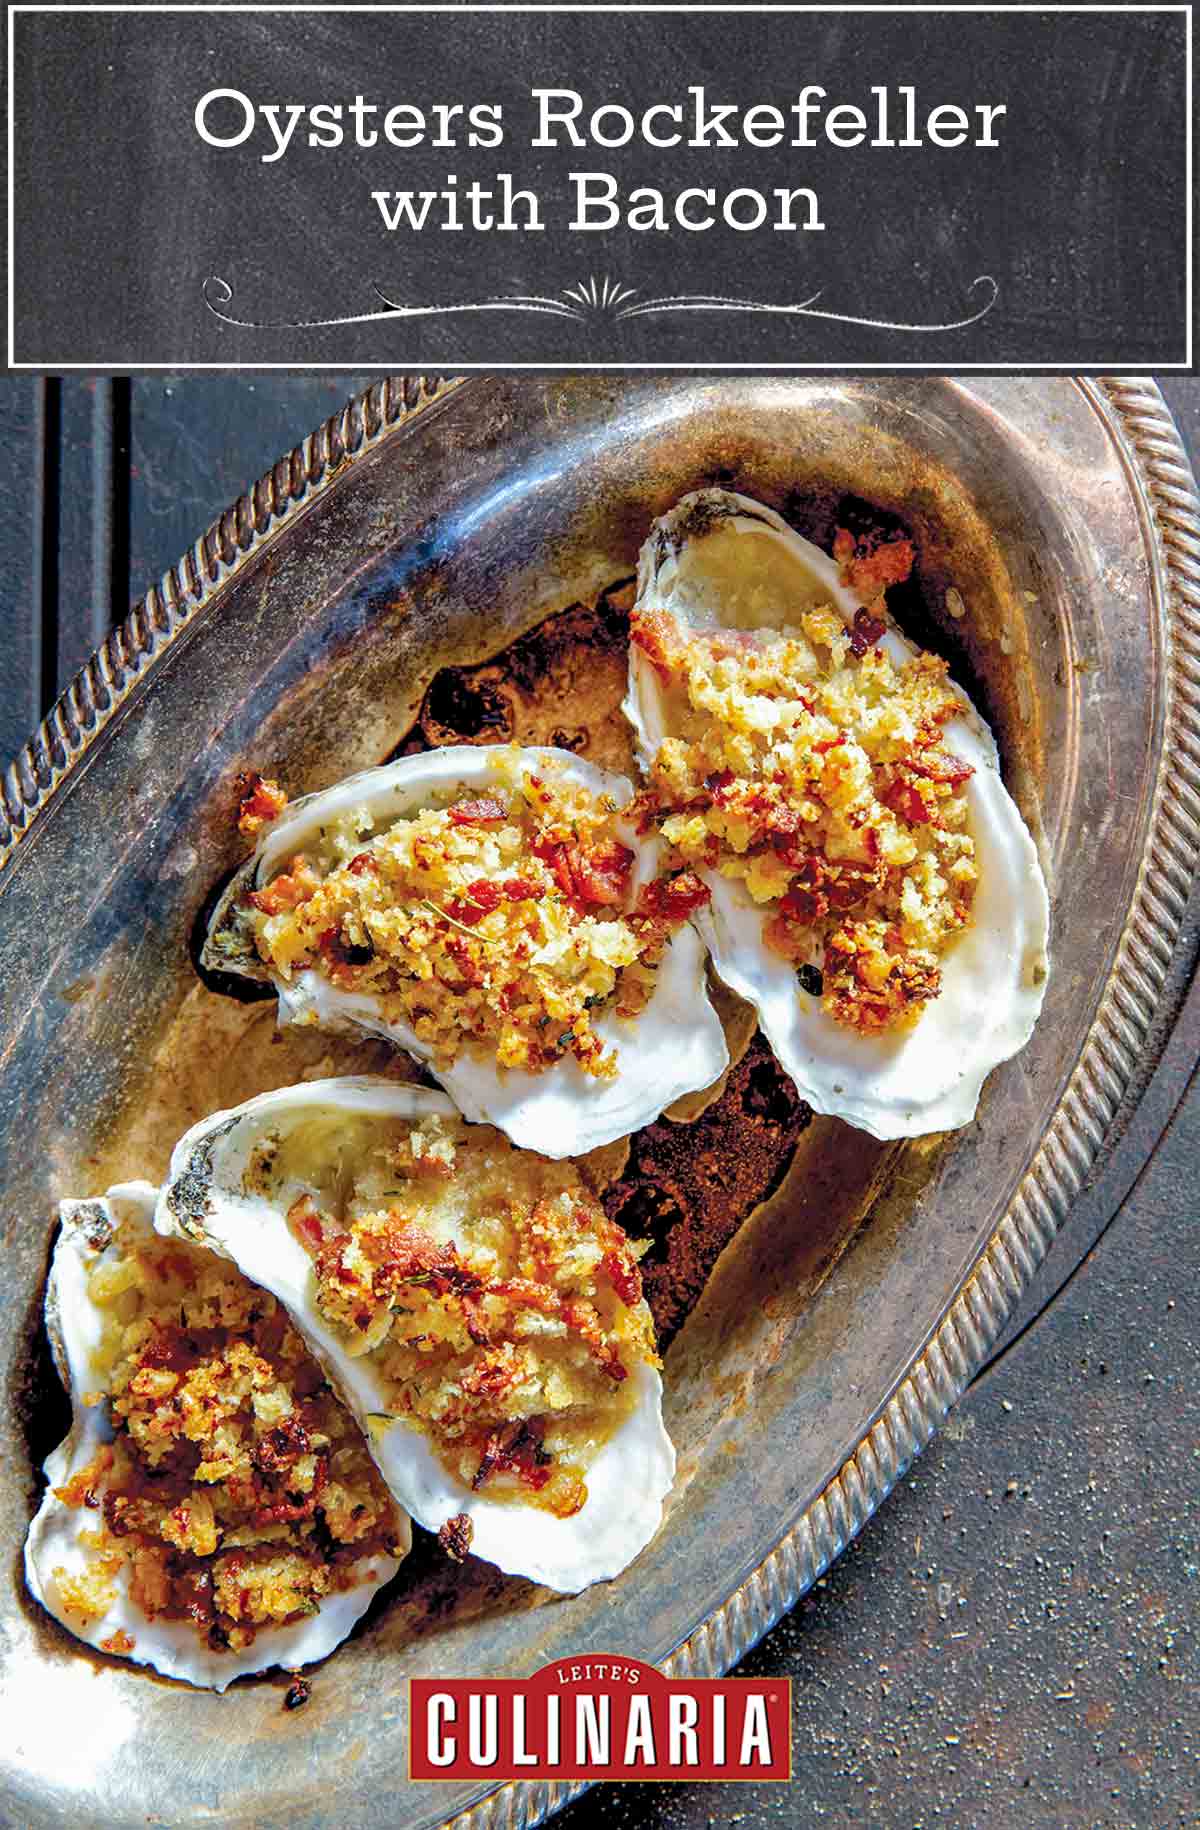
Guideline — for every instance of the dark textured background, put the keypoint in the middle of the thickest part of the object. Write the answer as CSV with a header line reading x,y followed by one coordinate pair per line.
x,y
1012,1643
123,213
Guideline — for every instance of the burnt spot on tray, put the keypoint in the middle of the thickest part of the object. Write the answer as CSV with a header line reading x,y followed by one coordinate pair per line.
x,y
688,1188
467,705
558,663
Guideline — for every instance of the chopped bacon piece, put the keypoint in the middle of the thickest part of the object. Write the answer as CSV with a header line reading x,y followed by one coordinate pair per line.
x,y
623,1275
288,1512
455,1536
298,884
478,900
644,810
601,872
486,812
460,952
485,894
263,800
582,1319
656,635
873,561
941,766
363,862
522,889
674,898
491,1377
281,1448
905,798
468,913
590,876
515,1450
867,631
304,1220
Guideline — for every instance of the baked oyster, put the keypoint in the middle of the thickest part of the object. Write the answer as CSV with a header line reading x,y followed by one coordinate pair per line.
x,y
490,911
472,1303
874,891
213,1510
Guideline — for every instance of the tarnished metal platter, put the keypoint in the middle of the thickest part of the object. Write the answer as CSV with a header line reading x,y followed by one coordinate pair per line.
x,y
433,526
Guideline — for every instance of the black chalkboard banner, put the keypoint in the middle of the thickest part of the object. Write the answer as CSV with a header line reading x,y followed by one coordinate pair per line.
x,y
802,187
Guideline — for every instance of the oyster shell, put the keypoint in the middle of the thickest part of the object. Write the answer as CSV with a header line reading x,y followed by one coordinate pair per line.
x,y
311,1163
674,1046
100,1236
720,560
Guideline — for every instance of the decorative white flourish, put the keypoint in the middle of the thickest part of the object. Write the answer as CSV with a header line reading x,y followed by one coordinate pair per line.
x,y
588,300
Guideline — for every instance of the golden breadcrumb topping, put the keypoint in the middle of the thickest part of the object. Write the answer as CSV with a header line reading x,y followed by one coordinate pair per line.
x,y
506,920
237,1491
812,770
500,1308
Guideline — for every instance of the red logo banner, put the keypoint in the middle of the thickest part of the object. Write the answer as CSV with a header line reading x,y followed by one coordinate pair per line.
x,y
600,1718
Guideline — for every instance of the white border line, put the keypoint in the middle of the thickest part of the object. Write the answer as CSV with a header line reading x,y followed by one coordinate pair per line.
x,y
650,6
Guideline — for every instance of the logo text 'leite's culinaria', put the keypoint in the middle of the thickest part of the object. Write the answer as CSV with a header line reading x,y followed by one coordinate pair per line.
x,y
600,1718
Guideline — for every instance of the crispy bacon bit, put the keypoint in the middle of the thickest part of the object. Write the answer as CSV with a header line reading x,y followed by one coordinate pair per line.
x,y
601,872
263,800
281,1448
455,1536
298,884
522,889
623,1275
906,798
485,894
854,999
485,812
581,1318
941,766
289,1512
590,876
654,633
515,1449
872,561
674,898
820,886
491,1377
362,863
118,1643
304,1220
297,1693
867,631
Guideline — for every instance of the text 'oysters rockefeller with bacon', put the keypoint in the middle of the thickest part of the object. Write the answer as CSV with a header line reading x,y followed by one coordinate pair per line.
x,y
490,911
874,891
472,1303
213,1510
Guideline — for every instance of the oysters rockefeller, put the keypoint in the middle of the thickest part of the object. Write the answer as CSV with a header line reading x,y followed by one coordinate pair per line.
x,y
874,892
353,1295
490,911
472,1303
213,1510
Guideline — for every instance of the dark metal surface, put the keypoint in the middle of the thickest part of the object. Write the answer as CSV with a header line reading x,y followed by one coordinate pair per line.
x,y
880,1621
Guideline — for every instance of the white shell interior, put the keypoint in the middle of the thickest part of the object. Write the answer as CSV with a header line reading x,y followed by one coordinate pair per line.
x,y
627,1482
675,1046
721,560
172,1647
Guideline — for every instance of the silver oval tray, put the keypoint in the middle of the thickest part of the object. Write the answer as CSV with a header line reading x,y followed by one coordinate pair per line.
x,y
438,521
